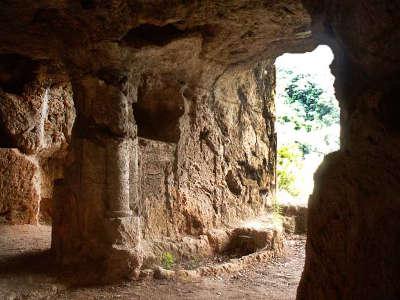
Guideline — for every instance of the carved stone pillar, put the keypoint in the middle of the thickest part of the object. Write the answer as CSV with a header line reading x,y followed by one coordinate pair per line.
x,y
118,178
94,222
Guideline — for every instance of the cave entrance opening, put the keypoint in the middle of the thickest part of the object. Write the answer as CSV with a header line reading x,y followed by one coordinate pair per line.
x,y
308,128
307,121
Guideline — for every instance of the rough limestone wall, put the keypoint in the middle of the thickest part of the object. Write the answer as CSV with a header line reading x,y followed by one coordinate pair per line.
x,y
36,117
354,213
20,193
185,53
222,168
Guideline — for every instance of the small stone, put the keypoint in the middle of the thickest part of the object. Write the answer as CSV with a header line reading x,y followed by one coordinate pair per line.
x,y
146,273
160,273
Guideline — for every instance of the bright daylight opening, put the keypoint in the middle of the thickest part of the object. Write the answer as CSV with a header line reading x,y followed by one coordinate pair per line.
x,y
307,121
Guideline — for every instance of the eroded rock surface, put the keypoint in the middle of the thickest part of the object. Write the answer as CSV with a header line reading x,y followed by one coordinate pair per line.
x,y
19,190
40,119
174,133
353,226
187,187
294,218
192,103
37,114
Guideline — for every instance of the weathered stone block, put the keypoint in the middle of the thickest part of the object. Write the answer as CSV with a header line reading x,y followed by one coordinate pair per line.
x,y
40,119
19,188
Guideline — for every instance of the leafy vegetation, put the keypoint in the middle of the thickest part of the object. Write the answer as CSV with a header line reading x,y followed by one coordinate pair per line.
x,y
289,161
307,125
167,260
277,211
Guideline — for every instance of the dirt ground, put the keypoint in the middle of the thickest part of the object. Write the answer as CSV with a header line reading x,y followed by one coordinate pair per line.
x,y
26,272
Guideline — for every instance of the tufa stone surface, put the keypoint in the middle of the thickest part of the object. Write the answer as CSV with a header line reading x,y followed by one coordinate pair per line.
x,y
39,119
353,224
226,137
295,218
19,188
199,75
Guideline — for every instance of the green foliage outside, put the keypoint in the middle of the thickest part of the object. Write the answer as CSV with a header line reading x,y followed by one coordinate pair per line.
x,y
167,260
305,95
289,161
310,106
307,125
277,212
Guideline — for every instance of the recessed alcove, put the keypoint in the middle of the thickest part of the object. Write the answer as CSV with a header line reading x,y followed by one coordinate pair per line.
x,y
15,71
157,111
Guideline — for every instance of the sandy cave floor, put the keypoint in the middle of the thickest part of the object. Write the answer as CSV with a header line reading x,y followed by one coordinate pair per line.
x,y
26,272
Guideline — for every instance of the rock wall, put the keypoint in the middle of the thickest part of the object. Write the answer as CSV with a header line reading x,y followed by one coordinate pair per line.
x,y
36,116
222,167
182,88
353,224
188,70
20,193
177,90
182,93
